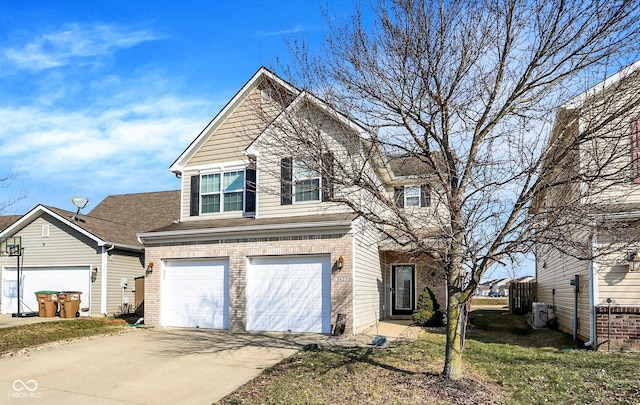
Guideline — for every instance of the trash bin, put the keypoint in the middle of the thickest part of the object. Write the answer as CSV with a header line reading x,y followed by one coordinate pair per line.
x,y
71,304
47,303
61,301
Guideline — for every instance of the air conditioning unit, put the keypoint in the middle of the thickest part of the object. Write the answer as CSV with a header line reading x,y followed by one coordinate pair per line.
x,y
540,313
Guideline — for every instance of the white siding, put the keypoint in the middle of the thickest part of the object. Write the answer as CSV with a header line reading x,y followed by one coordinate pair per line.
x,y
554,271
368,279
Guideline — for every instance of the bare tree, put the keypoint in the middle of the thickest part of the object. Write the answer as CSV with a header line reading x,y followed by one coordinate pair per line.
x,y
470,89
14,197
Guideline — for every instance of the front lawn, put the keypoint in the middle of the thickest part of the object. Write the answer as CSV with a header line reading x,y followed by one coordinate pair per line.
x,y
505,363
25,336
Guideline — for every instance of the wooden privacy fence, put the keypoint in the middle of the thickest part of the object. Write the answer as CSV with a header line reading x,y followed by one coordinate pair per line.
x,y
521,296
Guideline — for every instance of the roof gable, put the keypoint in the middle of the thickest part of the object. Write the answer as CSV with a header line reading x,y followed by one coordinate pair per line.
x,y
256,80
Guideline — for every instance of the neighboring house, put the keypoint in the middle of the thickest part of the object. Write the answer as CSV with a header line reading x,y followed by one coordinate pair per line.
x,y
261,246
596,300
97,254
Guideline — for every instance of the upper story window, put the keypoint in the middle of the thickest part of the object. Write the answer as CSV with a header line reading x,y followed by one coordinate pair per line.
x,y
222,192
635,150
413,196
307,181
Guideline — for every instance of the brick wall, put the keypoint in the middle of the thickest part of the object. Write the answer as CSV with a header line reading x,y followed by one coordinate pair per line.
x,y
619,331
237,251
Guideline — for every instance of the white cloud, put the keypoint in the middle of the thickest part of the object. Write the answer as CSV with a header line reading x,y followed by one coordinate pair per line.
x,y
75,43
293,30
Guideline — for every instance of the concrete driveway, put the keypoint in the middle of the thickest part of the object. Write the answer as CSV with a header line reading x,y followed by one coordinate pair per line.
x,y
145,366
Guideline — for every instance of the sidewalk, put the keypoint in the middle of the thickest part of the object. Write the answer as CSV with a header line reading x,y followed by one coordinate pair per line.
x,y
390,330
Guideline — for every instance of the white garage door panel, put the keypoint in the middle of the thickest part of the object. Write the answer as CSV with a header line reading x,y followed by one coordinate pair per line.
x,y
289,294
195,294
72,278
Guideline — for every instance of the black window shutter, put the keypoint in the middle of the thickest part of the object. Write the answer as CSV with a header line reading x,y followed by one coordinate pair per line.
x,y
327,176
195,196
250,190
425,195
398,196
286,179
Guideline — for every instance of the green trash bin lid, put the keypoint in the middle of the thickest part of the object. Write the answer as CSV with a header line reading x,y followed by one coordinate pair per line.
x,y
46,292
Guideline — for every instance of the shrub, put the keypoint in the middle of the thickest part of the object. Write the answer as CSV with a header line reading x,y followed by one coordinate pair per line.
x,y
428,311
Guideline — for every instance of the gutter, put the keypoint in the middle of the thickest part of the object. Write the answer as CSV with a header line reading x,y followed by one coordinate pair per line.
x,y
238,230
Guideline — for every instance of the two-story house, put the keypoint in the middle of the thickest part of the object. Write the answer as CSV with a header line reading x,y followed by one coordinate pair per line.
x,y
588,271
266,240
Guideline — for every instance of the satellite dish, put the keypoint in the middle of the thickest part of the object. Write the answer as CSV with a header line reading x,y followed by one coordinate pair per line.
x,y
80,203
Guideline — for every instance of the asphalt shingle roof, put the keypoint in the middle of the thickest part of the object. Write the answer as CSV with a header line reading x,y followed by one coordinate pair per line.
x,y
7,220
119,218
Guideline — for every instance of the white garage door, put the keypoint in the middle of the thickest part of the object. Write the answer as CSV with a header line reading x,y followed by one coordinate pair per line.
x,y
72,278
195,294
289,294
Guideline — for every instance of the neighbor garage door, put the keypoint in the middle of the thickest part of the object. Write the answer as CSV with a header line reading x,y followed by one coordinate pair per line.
x,y
71,278
195,294
290,293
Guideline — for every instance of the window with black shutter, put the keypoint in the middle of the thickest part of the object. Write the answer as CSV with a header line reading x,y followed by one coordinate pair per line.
x,y
195,196
250,191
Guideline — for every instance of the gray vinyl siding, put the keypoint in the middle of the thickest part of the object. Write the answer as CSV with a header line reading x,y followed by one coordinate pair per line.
x,y
63,247
122,264
555,271
368,278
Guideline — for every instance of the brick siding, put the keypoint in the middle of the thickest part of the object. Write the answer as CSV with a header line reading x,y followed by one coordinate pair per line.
x,y
237,251
621,326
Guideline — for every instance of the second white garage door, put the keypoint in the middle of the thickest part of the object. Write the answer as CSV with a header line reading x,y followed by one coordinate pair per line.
x,y
195,294
290,293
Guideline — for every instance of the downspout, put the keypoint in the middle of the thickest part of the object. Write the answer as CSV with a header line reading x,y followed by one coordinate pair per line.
x,y
103,279
593,290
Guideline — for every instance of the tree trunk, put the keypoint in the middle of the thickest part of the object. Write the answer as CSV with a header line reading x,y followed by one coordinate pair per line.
x,y
453,355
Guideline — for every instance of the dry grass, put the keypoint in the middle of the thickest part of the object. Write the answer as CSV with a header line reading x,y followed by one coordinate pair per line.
x,y
505,363
25,336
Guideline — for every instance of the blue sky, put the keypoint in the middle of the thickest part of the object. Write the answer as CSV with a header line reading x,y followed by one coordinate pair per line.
x,y
100,97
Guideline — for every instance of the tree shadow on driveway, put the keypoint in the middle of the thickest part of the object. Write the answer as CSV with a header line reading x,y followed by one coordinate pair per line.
x,y
177,341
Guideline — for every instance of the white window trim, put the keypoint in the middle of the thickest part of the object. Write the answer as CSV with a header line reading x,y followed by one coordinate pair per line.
x,y
222,192
406,197
295,181
45,230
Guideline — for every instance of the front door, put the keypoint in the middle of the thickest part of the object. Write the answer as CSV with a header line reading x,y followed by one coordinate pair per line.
x,y
403,279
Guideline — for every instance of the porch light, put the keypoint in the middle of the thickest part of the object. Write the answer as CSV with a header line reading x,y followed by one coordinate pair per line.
x,y
149,269
339,263
633,260
94,274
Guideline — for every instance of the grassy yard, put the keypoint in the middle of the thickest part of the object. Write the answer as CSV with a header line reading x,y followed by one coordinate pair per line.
x,y
506,363
24,336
